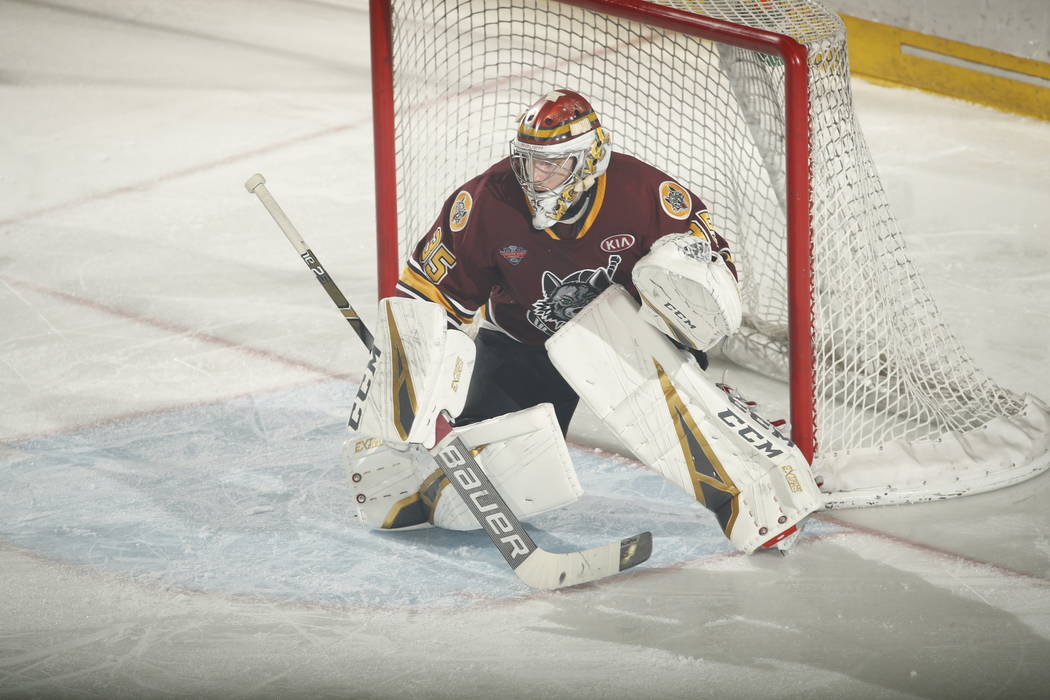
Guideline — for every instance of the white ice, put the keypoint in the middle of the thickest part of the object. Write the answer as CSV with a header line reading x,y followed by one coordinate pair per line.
x,y
173,520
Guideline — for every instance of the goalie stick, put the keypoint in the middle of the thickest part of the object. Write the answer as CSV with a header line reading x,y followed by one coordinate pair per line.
x,y
535,566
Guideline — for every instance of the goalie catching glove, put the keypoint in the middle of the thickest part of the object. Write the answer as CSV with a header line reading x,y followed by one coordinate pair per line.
x,y
688,292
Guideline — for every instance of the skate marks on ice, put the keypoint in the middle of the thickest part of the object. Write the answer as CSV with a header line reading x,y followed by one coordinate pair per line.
x,y
247,498
227,527
72,631
851,616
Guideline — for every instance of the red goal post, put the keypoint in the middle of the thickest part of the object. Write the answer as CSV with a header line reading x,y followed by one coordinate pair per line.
x,y
790,51
748,103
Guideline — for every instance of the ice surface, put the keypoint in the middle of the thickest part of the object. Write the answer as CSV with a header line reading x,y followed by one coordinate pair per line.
x,y
172,514
247,497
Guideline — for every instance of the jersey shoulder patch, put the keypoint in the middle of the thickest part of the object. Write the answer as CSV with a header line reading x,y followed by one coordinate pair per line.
x,y
459,215
675,200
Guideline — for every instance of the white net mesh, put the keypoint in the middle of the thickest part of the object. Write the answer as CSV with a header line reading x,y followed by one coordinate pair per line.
x,y
711,115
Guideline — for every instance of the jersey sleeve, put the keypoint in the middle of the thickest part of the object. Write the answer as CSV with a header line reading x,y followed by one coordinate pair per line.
x,y
681,211
448,266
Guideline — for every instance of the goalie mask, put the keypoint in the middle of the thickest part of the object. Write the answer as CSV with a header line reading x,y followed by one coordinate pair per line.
x,y
558,153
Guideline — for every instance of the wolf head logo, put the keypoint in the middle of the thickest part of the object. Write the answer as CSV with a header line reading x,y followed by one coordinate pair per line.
x,y
563,297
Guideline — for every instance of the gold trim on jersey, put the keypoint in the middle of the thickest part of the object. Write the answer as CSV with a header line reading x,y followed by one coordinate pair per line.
x,y
701,227
599,199
425,288
592,214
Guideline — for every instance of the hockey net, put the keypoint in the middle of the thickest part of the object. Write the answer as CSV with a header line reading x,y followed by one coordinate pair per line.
x,y
895,410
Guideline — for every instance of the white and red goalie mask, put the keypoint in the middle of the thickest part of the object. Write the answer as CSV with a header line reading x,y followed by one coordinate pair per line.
x,y
557,154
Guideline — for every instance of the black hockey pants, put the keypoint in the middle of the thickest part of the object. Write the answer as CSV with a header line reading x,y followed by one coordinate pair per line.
x,y
511,376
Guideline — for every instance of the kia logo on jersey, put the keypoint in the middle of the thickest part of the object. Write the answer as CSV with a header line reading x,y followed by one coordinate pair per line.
x,y
614,244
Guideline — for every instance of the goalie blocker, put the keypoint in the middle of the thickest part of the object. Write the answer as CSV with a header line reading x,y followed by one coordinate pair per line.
x,y
657,400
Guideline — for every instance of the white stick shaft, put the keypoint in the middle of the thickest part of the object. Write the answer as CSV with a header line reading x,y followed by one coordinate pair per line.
x,y
256,184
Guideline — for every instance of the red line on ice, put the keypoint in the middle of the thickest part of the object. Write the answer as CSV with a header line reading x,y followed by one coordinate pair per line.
x,y
175,329
178,174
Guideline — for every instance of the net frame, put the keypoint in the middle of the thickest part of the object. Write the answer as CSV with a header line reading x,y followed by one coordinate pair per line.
x,y
949,420
799,249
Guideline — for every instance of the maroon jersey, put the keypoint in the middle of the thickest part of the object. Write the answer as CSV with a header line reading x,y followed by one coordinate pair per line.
x,y
483,253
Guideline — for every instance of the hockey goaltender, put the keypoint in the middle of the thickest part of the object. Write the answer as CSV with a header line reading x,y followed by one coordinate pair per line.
x,y
589,274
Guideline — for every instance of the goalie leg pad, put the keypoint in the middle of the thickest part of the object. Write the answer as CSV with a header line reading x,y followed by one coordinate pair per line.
x,y
385,483
651,394
418,368
397,486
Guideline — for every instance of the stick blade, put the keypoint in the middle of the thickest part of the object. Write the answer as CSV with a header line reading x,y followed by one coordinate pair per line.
x,y
548,571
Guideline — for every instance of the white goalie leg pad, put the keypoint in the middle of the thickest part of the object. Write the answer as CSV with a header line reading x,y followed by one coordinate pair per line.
x,y
525,457
688,293
397,486
657,400
418,368
385,483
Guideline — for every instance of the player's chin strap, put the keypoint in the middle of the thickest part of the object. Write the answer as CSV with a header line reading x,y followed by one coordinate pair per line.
x,y
533,565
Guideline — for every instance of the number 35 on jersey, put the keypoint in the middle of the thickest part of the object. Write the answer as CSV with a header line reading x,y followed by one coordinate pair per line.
x,y
436,259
